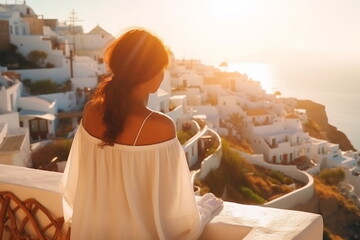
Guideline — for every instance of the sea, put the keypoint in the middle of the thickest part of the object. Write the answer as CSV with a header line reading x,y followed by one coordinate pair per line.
x,y
334,85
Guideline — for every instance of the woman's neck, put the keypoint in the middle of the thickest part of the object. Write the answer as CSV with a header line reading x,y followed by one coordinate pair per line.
x,y
139,99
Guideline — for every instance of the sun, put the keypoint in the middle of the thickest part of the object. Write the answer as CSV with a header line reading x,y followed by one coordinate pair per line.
x,y
256,71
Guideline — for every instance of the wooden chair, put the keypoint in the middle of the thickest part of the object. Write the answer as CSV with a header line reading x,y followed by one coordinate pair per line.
x,y
28,219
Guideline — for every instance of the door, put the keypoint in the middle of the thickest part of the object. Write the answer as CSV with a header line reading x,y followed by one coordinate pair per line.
x,y
38,129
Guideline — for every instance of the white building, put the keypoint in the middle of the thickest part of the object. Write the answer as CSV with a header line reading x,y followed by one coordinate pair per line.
x,y
14,144
38,114
329,155
241,83
229,104
29,32
14,140
91,44
210,113
33,112
281,140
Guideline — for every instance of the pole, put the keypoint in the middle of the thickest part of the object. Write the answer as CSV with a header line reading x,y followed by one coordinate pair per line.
x,y
71,64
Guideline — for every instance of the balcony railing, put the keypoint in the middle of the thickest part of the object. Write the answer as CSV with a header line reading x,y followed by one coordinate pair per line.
x,y
232,221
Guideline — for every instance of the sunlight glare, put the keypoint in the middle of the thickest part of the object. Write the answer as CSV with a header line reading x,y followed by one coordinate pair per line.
x,y
257,72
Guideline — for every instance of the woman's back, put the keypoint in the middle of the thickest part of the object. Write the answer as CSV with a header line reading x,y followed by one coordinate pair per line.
x,y
130,192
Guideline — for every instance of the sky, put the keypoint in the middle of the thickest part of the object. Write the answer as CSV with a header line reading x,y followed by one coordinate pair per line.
x,y
301,35
225,30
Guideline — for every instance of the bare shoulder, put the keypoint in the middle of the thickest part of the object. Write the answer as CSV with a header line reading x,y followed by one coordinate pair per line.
x,y
163,123
159,128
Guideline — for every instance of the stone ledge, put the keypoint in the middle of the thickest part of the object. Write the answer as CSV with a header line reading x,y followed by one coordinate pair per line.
x,y
238,221
232,221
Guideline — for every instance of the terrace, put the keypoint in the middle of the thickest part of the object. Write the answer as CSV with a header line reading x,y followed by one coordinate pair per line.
x,y
233,221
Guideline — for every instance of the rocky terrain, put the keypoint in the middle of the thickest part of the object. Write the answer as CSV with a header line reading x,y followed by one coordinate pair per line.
x,y
316,112
340,215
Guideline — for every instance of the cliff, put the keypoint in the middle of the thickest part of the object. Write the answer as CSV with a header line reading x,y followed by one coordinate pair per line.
x,y
317,114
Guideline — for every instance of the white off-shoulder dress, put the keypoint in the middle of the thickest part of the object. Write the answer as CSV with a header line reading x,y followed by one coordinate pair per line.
x,y
130,192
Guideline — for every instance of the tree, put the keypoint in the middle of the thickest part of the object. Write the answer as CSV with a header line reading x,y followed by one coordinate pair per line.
x,y
235,119
11,59
37,58
277,94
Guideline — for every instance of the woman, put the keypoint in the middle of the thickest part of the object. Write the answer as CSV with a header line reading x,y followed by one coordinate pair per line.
x,y
127,175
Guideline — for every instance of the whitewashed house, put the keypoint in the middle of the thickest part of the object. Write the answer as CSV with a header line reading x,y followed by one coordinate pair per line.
x,y
302,114
210,113
281,140
189,83
91,44
249,86
228,104
35,113
30,32
14,140
162,101
329,155
38,115
14,143
26,31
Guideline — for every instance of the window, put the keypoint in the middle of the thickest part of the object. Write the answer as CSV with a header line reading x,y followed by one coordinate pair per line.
x,y
11,102
273,143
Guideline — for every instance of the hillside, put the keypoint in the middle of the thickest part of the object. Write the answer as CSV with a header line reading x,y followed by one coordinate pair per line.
x,y
239,181
317,115
341,216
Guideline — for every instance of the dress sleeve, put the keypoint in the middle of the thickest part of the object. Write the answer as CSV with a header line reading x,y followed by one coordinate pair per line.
x,y
69,179
180,215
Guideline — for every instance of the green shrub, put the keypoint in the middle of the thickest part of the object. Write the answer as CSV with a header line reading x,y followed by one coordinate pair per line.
x,y
249,194
236,165
43,87
282,178
57,148
332,176
184,136
216,181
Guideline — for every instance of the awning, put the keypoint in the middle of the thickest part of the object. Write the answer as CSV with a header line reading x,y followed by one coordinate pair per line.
x,y
38,114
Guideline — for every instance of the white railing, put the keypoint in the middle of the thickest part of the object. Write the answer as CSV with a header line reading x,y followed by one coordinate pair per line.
x,y
294,198
191,145
211,162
